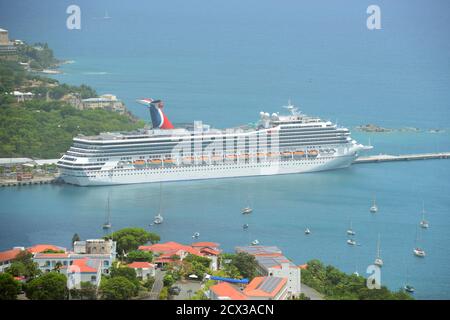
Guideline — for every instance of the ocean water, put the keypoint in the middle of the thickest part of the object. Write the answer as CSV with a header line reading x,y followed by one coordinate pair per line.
x,y
223,62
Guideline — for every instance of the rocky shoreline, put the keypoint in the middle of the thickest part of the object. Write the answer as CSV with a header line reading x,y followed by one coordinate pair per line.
x,y
379,129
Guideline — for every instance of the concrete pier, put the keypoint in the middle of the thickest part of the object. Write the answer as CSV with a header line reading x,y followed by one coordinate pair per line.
x,y
40,180
403,157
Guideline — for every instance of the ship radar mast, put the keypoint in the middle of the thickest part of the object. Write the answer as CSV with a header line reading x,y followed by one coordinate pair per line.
x,y
292,109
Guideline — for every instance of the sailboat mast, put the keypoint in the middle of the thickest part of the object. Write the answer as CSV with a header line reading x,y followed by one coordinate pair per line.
x,y
378,246
160,197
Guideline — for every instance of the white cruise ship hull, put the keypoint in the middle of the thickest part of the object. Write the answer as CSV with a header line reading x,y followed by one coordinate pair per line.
x,y
183,173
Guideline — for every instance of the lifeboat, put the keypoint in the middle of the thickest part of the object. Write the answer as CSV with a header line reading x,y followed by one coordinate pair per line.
x,y
260,155
231,156
216,158
155,162
273,154
139,163
286,154
299,154
313,153
169,161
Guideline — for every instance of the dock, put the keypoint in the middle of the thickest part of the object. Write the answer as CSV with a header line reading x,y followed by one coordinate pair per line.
x,y
34,181
403,157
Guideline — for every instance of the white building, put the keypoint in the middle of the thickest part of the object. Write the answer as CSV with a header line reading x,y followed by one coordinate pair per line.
x,y
144,270
83,270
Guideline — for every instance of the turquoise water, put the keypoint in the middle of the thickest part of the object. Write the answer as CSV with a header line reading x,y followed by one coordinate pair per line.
x,y
223,62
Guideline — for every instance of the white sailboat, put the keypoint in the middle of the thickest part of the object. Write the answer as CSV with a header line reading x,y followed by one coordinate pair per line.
x,y
418,251
351,242
378,260
307,231
196,235
407,287
374,207
248,209
424,223
255,242
350,231
107,224
159,218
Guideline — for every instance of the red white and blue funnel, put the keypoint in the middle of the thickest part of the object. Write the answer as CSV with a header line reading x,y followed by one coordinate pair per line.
x,y
159,119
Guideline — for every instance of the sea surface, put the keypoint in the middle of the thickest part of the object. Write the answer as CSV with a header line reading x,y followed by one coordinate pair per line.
x,y
225,61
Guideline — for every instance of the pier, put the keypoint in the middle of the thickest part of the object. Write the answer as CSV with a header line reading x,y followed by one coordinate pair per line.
x,y
403,157
34,181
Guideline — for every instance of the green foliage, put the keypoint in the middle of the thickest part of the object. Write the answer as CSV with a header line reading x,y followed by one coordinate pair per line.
x,y
148,284
50,286
142,256
164,294
126,272
52,251
117,288
337,285
9,287
87,291
75,237
24,266
43,129
168,280
129,239
40,55
245,263
205,261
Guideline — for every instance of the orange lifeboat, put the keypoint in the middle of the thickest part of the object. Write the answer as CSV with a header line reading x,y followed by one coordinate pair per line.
x,y
299,153
286,154
155,162
313,153
169,161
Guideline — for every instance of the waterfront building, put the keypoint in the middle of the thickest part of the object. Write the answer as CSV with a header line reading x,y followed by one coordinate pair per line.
x,y
272,263
267,288
144,270
173,252
107,102
7,257
83,270
225,291
7,49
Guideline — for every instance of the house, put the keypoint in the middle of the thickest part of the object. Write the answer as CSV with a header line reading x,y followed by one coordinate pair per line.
x,y
83,270
267,288
8,256
143,270
106,102
95,249
225,291
271,262
210,250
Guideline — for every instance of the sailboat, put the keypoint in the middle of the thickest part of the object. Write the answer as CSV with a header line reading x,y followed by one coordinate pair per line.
x,y
407,287
351,242
350,231
107,224
374,207
307,231
159,218
255,243
196,235
245,226
247,209
423,223
378,260
418,252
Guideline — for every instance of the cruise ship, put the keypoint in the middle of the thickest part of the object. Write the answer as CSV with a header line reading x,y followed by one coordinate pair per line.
x,y
286,143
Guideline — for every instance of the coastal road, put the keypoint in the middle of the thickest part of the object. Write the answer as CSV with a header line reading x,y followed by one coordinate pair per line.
x,y
157,285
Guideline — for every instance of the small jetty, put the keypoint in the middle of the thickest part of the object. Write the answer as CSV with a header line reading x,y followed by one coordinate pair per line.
x,y
403,157
34,181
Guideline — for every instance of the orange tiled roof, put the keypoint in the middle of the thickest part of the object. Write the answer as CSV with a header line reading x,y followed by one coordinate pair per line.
x,y
224,289
43,247
9,254
140,265
253,289
84,265
210,251
303,266
205,244
170,248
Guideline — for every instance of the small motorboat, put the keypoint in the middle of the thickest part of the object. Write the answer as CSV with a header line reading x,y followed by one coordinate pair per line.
x,y
409,288
351,242
158,219
255,243
307,231
196,235
245,226
247,210
418,252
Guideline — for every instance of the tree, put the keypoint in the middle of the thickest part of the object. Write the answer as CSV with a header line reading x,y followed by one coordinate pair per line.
x,y
117,288
50,286
144,256
87,291
129,239
164,294
75,237
246,264
24,266
9,287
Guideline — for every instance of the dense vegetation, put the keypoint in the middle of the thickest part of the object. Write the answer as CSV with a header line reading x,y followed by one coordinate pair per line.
x,y
45,129
337,285
39,55
129,239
